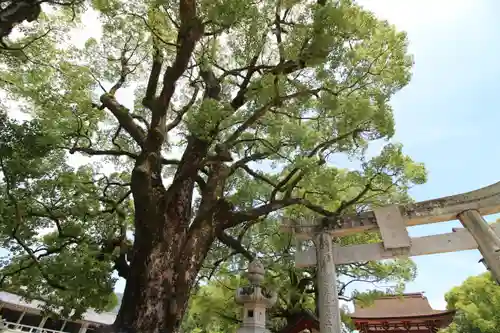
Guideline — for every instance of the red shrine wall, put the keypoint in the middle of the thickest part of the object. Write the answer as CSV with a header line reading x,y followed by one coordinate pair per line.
x,y
397,327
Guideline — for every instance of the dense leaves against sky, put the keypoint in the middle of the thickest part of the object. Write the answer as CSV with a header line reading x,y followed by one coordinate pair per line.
x,y
477,302
192,128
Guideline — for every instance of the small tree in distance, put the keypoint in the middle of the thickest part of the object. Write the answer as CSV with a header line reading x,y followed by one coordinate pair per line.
x,y
261,99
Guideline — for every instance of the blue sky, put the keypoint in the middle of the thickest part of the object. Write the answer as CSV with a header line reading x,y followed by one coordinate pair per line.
x,y
448,116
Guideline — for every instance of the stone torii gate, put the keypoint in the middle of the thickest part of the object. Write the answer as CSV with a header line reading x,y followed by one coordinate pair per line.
x,y
391,222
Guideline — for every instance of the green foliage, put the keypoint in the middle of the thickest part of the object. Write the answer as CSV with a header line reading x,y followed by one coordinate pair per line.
x,y
213,309
287,100
39,193
477,302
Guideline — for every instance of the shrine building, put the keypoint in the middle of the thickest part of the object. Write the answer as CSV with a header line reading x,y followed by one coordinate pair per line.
x,y
407,313
18,315
304,321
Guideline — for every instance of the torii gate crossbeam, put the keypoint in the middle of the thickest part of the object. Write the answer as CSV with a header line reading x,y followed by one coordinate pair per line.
x,y
392,222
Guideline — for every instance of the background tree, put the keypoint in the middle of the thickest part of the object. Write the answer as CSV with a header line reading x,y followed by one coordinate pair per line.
x,y
477,302
243,112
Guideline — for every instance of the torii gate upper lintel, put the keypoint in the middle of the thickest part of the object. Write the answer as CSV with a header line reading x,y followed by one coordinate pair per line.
x,y
392,222
485,200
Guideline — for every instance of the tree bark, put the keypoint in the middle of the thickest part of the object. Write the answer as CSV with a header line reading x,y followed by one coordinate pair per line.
x,y
163,271
169,246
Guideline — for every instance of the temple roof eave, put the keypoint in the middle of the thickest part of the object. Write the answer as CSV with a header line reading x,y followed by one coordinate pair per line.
x,y
445,314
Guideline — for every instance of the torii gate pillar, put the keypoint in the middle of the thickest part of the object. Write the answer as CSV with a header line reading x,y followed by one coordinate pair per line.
x,y
329,309
487,240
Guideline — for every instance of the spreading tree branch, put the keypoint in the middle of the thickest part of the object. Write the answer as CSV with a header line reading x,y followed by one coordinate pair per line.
x,y
234,244
98,152
189,33
265,209
154,76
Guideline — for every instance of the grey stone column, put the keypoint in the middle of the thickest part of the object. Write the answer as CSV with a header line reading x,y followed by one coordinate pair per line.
x,y
487,240
329,312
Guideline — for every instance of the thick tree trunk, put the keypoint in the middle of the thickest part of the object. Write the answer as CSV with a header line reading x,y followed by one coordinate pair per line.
x,y
169,244
163,271
168,253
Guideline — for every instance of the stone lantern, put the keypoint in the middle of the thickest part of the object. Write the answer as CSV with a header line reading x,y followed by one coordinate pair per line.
x,y
255,300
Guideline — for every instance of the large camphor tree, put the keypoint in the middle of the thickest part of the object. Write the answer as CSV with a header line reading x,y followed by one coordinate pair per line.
x,y
205,122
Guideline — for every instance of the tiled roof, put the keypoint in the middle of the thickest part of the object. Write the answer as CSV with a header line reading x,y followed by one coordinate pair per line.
x,y
406,305
91,316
